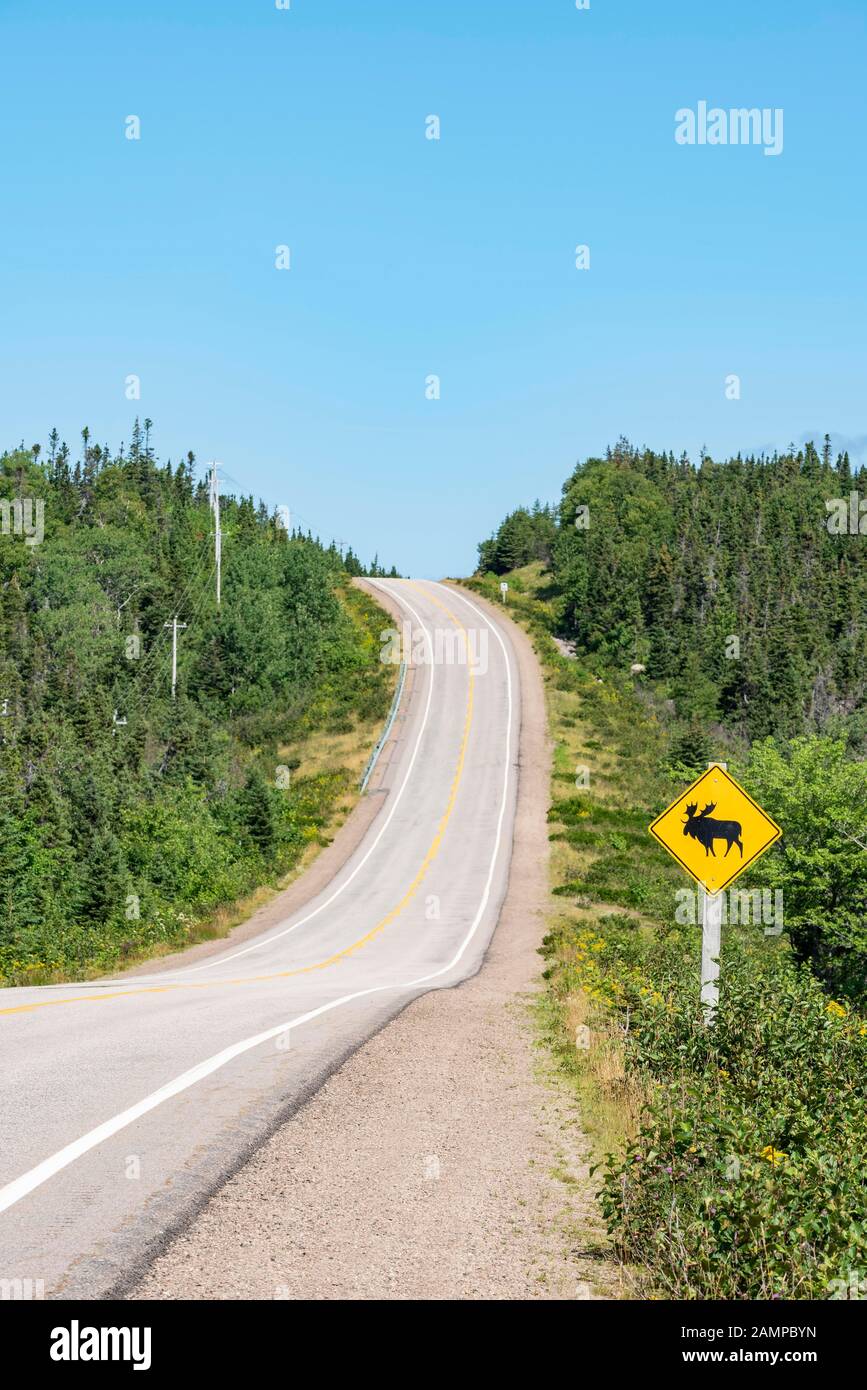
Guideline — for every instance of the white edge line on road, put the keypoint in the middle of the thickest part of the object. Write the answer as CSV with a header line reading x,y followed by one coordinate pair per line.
x,y
21,1187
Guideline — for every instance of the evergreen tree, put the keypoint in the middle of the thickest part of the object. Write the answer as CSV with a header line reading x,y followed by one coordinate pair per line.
x,y
258,812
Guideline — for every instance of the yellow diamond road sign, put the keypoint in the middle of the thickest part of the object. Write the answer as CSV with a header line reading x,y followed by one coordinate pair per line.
x,y
715,830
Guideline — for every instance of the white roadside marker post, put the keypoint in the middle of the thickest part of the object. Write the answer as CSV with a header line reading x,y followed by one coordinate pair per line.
x,y
504,589
711,943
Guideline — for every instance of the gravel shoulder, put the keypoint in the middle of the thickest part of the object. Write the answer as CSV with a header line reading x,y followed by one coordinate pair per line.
x,y
443,1160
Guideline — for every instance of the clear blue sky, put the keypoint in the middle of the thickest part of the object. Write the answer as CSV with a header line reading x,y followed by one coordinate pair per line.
x,y
409,257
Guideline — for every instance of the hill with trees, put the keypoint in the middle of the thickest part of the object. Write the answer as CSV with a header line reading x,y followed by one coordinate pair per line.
x,y
127,816
734,583
684,614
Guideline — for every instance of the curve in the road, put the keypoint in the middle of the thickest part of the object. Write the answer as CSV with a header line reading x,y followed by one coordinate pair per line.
x,y
20,1187
99,993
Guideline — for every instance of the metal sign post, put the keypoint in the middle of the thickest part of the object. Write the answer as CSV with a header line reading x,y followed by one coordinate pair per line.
x,y
711,942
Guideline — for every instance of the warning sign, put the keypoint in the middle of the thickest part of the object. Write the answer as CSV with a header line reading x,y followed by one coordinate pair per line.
x,y
715,830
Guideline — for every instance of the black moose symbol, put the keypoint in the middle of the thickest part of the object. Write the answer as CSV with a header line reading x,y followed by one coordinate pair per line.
x,y
702,828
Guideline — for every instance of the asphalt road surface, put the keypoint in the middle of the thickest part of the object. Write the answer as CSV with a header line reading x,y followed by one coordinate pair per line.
x,y
126,1101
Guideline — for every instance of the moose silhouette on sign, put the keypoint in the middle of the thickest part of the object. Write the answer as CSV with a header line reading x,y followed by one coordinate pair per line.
x,y
704,829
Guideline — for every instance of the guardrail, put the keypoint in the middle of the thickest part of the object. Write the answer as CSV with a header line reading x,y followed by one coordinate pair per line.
x,y
372,760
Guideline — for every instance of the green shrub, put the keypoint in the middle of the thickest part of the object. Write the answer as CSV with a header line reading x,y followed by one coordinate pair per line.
x,y
747,1178
819,797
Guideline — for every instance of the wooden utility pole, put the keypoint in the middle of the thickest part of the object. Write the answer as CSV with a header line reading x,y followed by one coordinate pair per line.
x,y
174,625
218,535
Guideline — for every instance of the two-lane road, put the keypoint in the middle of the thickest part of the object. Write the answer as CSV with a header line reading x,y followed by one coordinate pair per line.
x,y
124,1102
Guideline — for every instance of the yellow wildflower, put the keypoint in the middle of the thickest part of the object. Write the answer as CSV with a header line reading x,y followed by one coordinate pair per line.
x,y
774,1156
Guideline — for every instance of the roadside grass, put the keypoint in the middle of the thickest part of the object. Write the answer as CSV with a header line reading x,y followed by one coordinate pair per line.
x,y
727,1156
592,828
601,856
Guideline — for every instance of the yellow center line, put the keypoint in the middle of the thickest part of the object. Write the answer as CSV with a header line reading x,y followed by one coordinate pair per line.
x,y
362,941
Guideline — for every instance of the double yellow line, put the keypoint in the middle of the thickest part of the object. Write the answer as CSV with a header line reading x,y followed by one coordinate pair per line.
x,y
430,856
